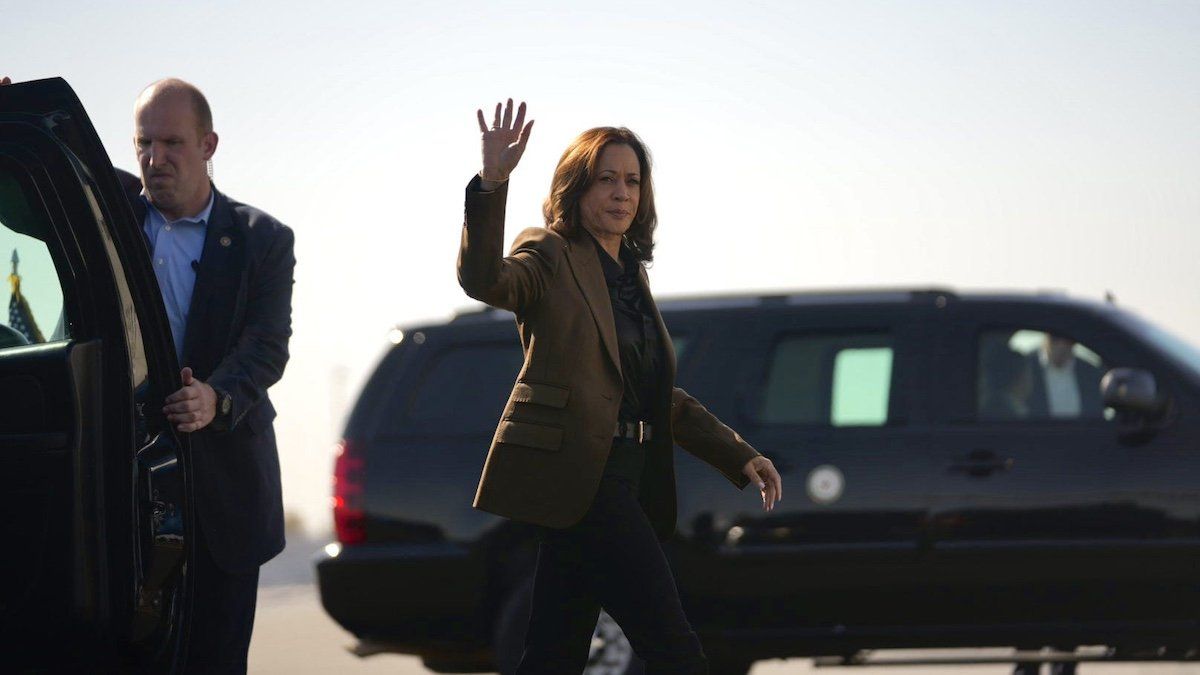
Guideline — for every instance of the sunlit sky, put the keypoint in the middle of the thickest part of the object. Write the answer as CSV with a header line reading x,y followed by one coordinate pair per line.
x,y
1001,144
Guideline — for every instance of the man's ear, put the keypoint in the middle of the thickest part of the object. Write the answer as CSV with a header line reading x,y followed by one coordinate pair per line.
x,y
209,143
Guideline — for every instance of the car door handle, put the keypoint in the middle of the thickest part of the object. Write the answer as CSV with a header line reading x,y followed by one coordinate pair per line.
x,y
982,463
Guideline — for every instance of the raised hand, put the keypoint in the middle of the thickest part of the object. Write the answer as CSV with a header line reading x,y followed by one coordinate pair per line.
x,y
504,143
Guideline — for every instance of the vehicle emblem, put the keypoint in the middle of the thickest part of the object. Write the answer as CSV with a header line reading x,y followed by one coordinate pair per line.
x,y
825,484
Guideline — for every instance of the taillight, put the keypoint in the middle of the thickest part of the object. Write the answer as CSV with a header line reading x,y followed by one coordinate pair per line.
x,y
349,520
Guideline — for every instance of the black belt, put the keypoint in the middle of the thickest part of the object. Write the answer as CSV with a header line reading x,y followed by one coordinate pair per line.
x,y
639,431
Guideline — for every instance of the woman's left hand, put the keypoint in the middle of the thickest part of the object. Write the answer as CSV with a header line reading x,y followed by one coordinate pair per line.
x,y
762,473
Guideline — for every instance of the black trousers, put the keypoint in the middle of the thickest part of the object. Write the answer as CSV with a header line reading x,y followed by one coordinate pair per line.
x,y
222,615
611,559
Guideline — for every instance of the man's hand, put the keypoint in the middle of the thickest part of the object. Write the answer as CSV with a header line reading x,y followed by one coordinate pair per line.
x,y
193,407
762,473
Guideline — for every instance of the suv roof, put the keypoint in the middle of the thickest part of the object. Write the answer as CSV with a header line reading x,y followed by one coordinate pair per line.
x,y
919,296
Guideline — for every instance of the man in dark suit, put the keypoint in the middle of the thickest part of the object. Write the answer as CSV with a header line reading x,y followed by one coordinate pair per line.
x,y
225,270
1064,386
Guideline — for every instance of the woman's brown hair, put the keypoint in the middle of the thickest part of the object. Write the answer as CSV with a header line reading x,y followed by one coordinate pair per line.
x,y
574,175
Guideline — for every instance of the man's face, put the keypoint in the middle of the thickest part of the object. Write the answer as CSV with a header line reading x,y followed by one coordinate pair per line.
x,y
172,152
1059,350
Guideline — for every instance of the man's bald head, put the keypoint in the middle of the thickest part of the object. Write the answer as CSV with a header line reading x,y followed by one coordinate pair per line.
x,y
174,140
171,87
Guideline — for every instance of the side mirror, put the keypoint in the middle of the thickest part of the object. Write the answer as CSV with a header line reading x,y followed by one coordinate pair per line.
x,y
1133,392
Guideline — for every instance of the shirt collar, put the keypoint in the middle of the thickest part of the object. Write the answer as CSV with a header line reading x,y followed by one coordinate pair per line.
x,y
199,219
612,271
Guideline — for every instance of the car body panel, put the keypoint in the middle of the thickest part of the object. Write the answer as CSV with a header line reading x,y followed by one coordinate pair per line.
x,y
81,406
1059,549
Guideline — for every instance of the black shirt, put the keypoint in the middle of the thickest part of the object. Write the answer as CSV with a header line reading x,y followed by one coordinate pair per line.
x,y
637,334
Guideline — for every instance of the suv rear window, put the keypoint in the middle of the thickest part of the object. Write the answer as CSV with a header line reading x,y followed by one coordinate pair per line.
x,y
461,390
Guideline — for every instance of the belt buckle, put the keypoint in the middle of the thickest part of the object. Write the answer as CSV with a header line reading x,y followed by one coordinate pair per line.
x,y
643,431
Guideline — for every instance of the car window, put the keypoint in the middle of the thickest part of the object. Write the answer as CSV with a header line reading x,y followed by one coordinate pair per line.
x,y
461,390
1031,375
833,380
33,296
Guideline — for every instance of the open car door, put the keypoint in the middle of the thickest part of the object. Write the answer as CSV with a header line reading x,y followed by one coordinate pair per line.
x,y
95,503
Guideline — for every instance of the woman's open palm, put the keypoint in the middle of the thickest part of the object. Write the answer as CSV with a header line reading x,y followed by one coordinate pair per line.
x,y
504,143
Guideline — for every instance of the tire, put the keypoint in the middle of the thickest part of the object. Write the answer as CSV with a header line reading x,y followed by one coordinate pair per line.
x,y
610,652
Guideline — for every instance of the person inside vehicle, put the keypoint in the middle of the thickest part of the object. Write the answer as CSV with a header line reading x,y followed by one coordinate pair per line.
x,y
1064,386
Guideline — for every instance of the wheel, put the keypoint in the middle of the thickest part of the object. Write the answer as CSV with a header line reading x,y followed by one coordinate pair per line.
x,y
609,653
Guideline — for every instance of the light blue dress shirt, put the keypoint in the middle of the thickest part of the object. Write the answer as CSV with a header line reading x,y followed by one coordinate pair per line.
x,y
175,249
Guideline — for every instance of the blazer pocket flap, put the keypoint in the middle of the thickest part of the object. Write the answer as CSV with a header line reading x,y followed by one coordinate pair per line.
x,y
530,435
550,395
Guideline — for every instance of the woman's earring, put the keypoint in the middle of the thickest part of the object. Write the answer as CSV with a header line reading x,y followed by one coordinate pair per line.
x,y
209,163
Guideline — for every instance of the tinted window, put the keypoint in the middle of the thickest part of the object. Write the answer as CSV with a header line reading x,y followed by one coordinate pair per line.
x,y
837,380
32,310
462,390
680,343
1032,375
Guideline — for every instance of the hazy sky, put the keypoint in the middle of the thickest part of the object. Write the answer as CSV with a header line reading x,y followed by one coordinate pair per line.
x,y
1007,144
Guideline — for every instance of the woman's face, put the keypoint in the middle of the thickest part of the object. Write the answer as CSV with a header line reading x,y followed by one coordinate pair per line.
x,y
610,203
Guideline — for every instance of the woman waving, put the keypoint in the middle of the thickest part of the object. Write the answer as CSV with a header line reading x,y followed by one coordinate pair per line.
x,y
584,446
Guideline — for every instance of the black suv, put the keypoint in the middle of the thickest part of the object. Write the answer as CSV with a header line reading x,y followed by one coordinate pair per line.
x,y
96,505
943,487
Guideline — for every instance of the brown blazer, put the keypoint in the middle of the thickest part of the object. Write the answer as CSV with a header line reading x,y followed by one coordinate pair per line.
x,y
551,445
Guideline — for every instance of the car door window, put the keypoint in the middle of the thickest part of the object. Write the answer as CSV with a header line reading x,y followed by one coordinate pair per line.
x,y
1031,375
829,380
33,296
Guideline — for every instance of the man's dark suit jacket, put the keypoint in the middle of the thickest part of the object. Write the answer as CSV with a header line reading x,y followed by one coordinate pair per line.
x,y
1087,379
236,340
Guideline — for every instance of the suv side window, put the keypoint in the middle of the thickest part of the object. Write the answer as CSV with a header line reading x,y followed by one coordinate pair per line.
x,y
1031,375
830,380
461,390
34,296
